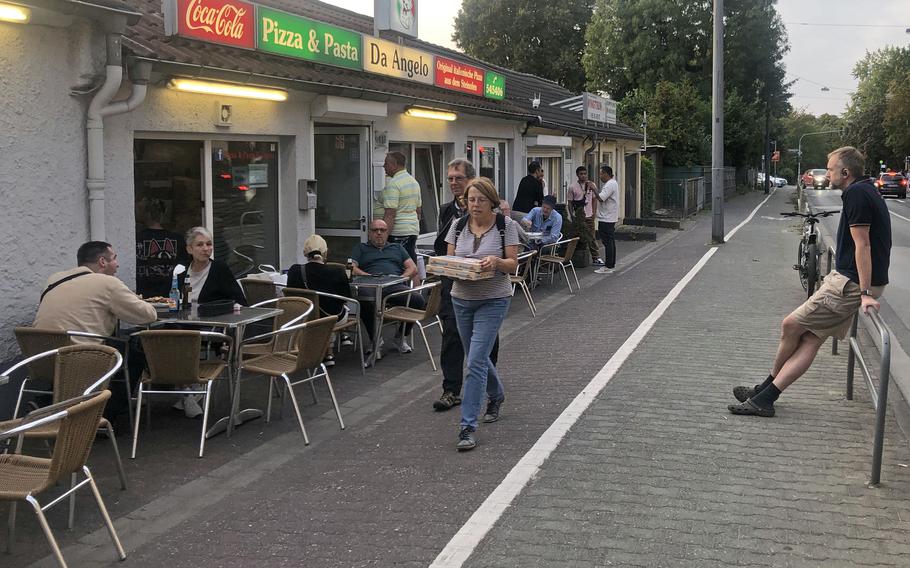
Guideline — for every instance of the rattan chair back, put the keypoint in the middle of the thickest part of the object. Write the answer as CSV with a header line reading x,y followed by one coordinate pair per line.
x,y
433,302
313,343
310,295
172,356
76,367
570,250
258,290
35,340
75,436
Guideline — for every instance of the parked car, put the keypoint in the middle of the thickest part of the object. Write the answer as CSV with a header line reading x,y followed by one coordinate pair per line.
x,y
892,183
815,178
779,182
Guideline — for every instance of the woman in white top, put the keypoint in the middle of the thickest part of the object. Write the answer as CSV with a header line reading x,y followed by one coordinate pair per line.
x,y
481,305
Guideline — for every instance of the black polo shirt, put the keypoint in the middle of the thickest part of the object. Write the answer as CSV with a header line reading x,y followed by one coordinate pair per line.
x,y
864,206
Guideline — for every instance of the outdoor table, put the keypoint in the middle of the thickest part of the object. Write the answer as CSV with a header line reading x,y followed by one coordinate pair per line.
x,y
234,324
378,284
535,239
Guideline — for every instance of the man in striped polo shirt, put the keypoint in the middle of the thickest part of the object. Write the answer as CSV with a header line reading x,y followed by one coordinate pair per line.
x,y
400,204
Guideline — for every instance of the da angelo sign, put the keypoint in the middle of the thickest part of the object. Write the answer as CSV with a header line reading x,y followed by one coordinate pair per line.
x,y
293,36
387,58
228,22
455,76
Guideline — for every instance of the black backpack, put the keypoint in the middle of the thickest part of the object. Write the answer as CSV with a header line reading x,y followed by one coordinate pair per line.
x,y
500,224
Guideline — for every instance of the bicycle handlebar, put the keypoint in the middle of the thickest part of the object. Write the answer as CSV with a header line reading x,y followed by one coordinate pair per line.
x,y
810,215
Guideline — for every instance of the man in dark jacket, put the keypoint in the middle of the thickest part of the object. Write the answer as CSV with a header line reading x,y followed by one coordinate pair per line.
x,y
451,357
530,190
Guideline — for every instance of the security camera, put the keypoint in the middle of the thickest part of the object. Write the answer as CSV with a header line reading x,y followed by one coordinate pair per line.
x,y
535,102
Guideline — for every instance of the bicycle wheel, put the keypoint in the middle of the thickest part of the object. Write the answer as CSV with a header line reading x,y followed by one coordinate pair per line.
x,y
801,264
811,269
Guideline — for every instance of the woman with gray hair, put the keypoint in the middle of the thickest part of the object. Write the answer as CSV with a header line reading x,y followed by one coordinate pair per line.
x,y
210,279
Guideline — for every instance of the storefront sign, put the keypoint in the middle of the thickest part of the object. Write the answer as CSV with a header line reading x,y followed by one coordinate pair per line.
x,y
461,77
229,22
387,58
396,15
293,36
599,109
494,86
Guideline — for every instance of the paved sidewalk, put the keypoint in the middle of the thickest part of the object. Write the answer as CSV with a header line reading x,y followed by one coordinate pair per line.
x,y
657,473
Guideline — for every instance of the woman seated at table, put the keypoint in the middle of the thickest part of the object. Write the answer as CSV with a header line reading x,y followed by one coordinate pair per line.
x,y
319,276
210,280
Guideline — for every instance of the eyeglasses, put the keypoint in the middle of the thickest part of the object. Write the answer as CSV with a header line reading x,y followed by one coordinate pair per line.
x,y
378,230
451,179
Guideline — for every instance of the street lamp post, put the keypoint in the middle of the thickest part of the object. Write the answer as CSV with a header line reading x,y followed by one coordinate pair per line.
x,y
799,149
717,128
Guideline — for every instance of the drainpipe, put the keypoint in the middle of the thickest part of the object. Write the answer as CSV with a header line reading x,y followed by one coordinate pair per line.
x,y
99,108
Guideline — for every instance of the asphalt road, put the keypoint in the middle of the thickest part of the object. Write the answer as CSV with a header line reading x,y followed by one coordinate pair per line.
x,y
896,300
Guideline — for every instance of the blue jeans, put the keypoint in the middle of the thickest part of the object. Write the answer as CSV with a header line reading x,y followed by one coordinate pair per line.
x,y
478,324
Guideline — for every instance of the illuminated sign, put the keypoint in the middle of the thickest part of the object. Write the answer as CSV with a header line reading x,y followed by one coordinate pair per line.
x,y
229,22
387,58
293,36
454,76
494,86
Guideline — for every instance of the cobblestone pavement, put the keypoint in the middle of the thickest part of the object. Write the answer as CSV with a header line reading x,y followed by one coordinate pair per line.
x,y
655,473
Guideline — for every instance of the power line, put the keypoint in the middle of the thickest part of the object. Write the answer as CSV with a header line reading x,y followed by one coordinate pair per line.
x,y
832,25
820,84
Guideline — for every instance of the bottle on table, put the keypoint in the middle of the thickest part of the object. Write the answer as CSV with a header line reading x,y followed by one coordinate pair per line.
x,y
349,268
174,297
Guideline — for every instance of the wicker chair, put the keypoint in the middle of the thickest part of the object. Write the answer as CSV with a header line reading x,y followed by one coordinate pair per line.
x,y
258,290
351,323
520,278
22,478
561,261
78,369
173,361
294,310
34,340
404,314
304,366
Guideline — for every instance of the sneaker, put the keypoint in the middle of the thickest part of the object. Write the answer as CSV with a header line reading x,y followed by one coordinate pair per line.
x,y
492,413
402,345
329,361
346,341
604,270
466,439
597,262
179,404
191,406
447,401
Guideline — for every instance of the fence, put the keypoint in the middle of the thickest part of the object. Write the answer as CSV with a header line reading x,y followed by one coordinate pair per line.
x,y
682,197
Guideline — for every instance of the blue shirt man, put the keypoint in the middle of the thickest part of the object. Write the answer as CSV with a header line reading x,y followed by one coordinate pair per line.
x,y
544,220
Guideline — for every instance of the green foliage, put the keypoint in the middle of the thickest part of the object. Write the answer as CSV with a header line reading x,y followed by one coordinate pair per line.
x,y
648,185
815,147
638,48
877,117
544,39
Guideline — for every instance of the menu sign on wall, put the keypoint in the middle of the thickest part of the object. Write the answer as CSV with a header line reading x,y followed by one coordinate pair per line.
x,y
293,36
387,58
599,109
229,22
461,77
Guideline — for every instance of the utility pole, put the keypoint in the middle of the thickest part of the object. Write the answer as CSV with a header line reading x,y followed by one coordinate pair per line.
x,y
717,128
767,150
775,163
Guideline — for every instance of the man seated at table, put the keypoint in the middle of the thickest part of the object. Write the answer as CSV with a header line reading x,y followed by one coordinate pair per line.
x,y
380,257
544,220
90,298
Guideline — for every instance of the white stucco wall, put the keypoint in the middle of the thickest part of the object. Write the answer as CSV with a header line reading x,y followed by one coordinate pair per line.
x,y
42,162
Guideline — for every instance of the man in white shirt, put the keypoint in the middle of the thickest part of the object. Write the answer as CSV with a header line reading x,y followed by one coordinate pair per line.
x,y
607,216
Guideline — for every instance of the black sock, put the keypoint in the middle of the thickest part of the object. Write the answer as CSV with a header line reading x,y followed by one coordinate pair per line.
x,y
767,396
761,387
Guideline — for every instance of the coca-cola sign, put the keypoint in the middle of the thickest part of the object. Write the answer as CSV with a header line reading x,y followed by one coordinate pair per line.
x,y
228,22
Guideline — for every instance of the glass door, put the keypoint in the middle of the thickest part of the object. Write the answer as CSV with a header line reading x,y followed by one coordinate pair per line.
x,y
488,164
342,162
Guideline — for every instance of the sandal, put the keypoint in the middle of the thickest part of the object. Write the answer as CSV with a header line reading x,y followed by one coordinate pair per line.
x,y
749,408
742,393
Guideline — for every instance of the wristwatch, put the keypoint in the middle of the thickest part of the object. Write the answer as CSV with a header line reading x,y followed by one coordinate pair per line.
x,y
865,292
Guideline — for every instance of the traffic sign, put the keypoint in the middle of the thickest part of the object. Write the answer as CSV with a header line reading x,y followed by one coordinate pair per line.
x,y
775,157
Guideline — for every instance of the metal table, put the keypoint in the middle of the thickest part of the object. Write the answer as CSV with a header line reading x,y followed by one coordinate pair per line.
x,y
377,284
234,324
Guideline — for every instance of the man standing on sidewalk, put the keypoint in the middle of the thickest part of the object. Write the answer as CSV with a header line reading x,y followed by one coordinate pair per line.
x,y
583,206
607,216
451,357
400,205
863,258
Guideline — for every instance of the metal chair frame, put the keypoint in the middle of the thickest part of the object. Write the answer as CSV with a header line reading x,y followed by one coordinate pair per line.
x,y
519,279
562,261
435,288
353,306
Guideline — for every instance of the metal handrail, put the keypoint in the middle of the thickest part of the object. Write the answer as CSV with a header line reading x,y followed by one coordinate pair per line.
x,y
830,254
880,396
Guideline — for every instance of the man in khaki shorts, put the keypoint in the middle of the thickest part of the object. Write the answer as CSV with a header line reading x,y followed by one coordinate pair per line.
x,y
863,258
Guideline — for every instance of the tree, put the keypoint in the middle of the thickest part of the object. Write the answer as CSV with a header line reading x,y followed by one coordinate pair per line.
x,y
544,39
877,114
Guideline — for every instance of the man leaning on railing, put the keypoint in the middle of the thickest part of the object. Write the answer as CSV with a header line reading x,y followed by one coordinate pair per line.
x,y
860,276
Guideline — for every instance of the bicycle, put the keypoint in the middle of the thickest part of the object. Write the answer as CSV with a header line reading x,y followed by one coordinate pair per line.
x,y
809,254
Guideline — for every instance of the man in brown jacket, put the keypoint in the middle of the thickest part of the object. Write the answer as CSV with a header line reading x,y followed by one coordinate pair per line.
x,y
89,297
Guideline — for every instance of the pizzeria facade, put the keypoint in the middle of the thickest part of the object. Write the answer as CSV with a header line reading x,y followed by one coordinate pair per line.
x,y
263,122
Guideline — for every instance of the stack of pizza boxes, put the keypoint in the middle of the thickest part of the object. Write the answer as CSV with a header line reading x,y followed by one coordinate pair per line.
x,y
458,268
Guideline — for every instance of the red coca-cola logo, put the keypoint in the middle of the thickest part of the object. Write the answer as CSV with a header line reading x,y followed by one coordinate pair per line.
x,y
221,21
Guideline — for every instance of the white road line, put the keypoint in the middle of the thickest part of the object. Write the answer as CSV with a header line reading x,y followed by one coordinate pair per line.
x,y
462,545
899,216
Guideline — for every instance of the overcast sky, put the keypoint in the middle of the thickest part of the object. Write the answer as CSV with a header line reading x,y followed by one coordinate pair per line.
x,y
820,55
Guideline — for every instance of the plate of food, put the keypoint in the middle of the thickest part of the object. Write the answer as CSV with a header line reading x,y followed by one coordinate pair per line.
x,y
160,303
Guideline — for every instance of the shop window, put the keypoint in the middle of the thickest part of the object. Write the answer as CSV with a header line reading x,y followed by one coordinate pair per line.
x,y
425,164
